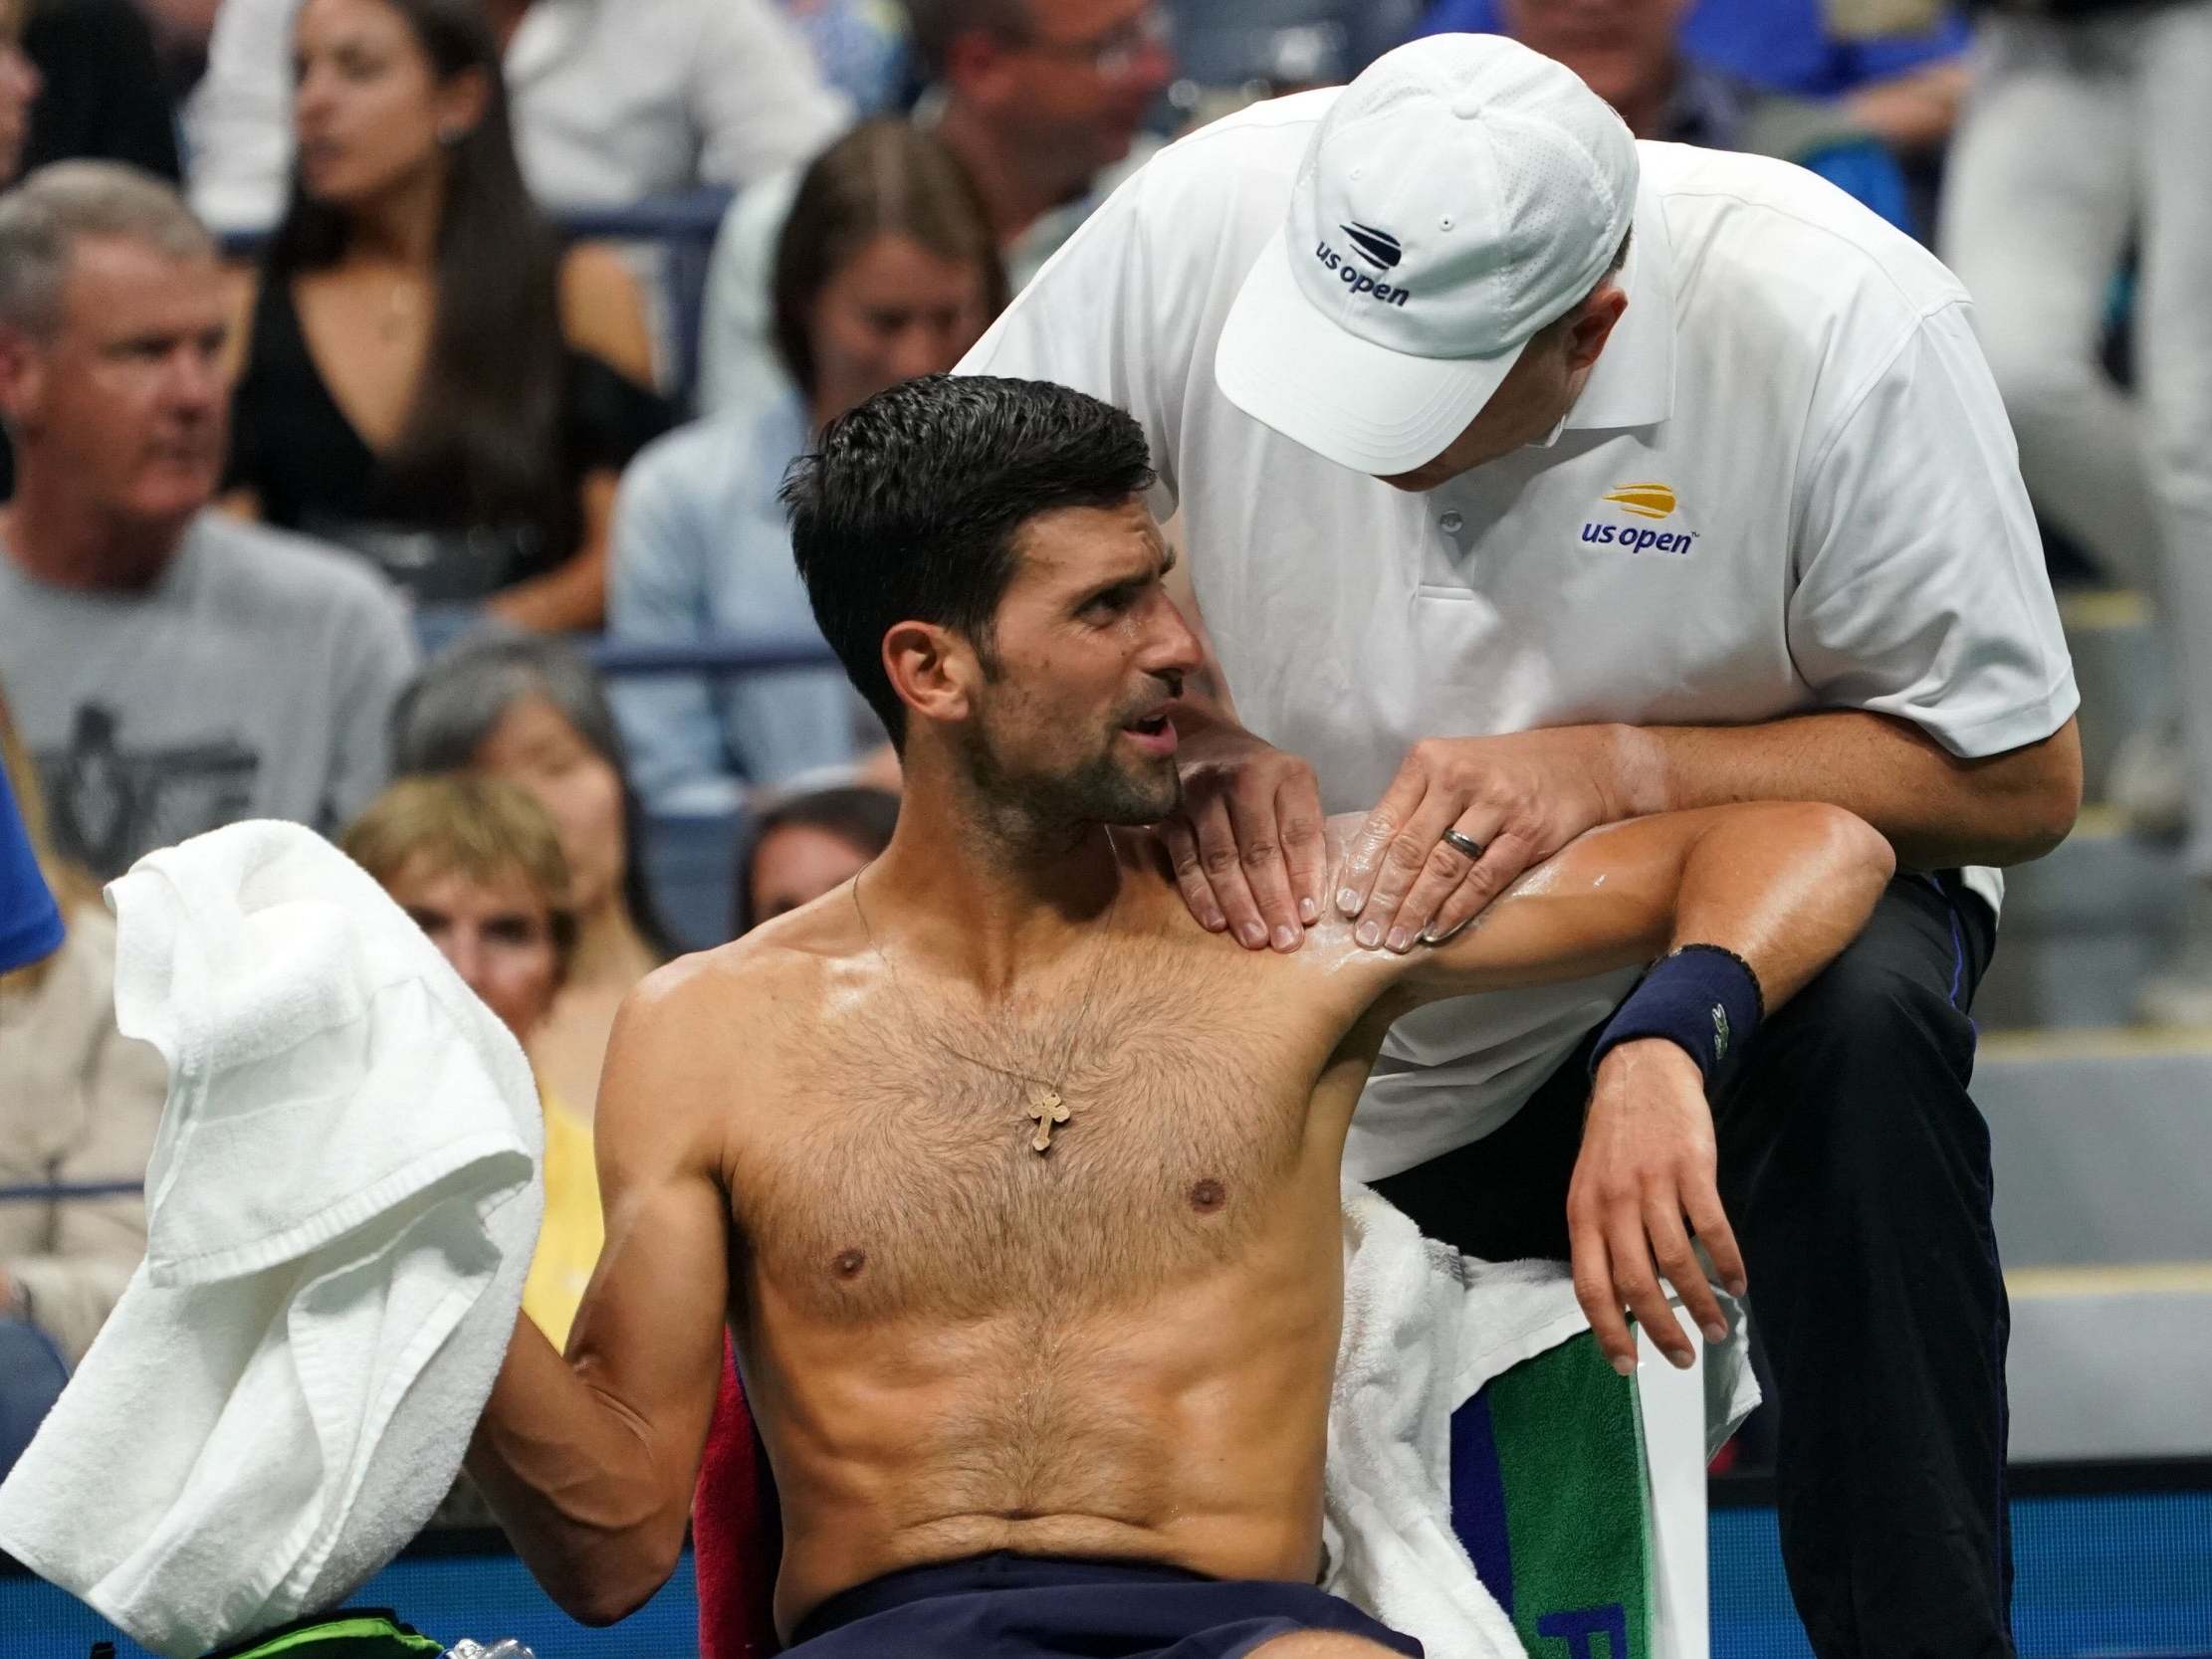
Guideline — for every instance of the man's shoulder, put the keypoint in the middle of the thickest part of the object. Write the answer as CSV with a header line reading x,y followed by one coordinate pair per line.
x,y
275,571
742,991
1738,219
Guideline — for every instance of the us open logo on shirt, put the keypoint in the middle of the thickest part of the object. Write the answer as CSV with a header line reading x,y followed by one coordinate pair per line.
x,y
1640,500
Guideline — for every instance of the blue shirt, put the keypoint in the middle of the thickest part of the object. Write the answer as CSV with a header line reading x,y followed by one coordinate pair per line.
x,y
702,554
30,926
1781,45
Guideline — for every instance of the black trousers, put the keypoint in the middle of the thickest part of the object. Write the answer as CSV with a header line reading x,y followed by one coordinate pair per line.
x,y
1856,1172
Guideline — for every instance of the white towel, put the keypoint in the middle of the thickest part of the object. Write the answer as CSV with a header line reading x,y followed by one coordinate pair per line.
x,y
341,1204
1425,1328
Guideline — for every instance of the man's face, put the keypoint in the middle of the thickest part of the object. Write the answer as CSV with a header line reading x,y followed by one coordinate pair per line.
x,y
1623,49
1535,396
1088,655
127,404
1078,77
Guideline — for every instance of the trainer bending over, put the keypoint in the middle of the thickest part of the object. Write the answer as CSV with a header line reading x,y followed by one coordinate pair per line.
x,y
1017,1187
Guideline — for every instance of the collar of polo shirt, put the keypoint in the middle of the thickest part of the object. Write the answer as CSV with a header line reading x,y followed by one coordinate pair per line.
x,y
1632,381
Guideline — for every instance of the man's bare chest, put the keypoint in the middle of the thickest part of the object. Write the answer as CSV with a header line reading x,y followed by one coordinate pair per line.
x,y
905,1177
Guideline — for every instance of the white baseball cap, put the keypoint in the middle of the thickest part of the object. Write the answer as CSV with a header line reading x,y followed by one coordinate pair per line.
x,y
1460,195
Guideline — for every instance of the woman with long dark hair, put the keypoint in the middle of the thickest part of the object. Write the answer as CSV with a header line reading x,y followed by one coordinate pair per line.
x,y
428,379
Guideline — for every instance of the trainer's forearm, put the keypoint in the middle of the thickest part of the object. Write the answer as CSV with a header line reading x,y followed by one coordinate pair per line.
x,y
572,1479
1935,809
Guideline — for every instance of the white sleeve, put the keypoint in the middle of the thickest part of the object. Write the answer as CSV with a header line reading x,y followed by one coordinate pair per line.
x,y
238,119
759,102
737,362
1090,320
1920,588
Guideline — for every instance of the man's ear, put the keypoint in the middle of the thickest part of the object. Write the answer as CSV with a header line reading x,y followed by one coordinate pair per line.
x,y
23,377
934,672
1593,326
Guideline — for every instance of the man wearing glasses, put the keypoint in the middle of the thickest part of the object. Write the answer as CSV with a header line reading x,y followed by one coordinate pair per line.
x,y
1043,101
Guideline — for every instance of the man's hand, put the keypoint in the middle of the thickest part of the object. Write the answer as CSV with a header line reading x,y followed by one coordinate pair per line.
x,y
1647,1163
1246,844
1520,798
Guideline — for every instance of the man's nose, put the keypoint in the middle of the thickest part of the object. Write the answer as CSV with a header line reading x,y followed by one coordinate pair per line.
x,y
1175,647
194,382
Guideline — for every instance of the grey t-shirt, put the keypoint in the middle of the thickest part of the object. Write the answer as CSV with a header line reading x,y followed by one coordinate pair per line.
x,y
253,680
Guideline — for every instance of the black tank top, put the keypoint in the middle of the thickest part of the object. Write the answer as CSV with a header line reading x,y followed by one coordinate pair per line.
x,y
314,473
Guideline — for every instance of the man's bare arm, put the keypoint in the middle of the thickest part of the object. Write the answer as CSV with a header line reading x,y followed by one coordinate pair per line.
x,y
1786,886
589,1461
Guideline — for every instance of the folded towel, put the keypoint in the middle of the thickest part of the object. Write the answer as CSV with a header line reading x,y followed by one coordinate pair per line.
x,y
341,1204
1452,1374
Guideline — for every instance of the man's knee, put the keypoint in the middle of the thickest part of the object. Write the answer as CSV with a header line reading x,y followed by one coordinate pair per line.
x,y
1321,1644
1865,1015
1864,1072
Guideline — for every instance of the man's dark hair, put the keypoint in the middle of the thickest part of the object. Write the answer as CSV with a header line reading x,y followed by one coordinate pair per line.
x,y
911,509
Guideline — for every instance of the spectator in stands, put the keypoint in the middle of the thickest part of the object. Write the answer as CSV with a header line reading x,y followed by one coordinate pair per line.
x,y
172,669
427,380
2076,146
615,101
808,845
78,1106
886,269
1280,46
1042,101
19,90
1632,55
105,97
530,710
477,864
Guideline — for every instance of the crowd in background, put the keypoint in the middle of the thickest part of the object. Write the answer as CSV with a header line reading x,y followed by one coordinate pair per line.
x,y
309,382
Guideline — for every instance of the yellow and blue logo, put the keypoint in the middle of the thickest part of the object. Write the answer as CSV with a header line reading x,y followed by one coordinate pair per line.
x,y
1641,501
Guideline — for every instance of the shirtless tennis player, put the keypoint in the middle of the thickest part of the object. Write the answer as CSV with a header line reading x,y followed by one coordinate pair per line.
x,y
1018,1188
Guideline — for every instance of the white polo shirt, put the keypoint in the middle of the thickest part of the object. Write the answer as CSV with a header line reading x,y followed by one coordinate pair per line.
x,y
1787,485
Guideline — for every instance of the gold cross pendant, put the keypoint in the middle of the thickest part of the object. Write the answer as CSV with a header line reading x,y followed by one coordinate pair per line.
x,y
1047,1109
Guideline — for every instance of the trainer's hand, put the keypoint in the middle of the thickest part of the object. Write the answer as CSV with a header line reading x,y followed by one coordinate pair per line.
x,y
1246,844
1520,798
1647,1163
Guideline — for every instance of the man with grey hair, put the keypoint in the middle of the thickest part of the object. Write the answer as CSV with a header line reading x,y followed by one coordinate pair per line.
x,y
171,669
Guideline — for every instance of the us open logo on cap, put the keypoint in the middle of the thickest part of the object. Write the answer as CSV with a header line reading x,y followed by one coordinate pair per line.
x,y
1378,248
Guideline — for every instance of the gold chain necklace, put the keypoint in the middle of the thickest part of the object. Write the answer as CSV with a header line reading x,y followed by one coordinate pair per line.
x,y
1046,1104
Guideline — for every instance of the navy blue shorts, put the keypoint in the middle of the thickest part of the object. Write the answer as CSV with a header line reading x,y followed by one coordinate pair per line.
x,y
1041,1607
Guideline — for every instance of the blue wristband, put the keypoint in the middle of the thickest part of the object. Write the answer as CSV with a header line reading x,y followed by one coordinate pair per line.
x,y
1703,998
